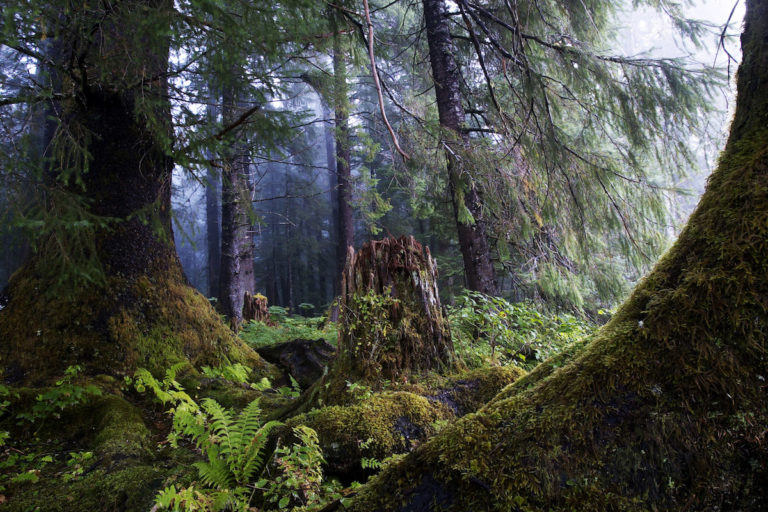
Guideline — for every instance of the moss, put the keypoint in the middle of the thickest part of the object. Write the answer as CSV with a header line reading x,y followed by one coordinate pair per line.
x,y
122,433
468,391
131,489
663,409
383,425
151,322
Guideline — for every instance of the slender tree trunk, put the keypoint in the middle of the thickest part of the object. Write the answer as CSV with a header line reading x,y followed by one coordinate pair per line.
x,y
472,232
236,241
333,193
213,212
345,221
665,407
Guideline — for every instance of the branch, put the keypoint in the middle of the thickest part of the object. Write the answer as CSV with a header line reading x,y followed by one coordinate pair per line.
x,y
375,74
240,120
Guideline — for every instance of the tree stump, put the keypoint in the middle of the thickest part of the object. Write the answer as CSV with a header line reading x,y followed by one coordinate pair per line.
x,y
392,322
255,308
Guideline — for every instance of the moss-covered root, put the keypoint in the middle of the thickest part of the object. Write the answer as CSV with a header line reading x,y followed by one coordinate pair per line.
x,y
124,474
469,391
665,408
386,424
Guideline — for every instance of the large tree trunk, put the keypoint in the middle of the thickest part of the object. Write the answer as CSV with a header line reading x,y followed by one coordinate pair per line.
x,y
144,314
333,193
236,238
472,232
665,408
344,222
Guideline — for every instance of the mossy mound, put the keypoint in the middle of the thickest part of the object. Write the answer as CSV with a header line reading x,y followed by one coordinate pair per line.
x,y
664,409
123,474
385,424
141,322
468,391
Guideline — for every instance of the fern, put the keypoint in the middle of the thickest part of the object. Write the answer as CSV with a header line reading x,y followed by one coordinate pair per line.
x,y
234,446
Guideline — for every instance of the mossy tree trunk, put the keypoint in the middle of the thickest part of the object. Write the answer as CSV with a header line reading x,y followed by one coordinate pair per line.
x,y
391,319
143,313
665,408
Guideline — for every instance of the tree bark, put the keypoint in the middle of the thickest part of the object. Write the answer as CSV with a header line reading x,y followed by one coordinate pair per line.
x,y
345,220
472,232
664,408
213,212
333,193
144,313
236,239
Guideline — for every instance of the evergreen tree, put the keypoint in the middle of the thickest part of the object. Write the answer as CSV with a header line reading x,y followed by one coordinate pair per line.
x,y
104,285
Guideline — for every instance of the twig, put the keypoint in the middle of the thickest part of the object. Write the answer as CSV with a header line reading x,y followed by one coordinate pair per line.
x,y
722,40
375,74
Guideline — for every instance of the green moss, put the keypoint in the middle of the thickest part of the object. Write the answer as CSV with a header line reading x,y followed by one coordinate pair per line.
x,y
385,424
131,489
122,433
146,322
469,391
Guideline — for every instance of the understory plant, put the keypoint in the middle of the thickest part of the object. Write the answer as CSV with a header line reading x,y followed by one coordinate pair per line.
x,y
491,328
286,328
242,466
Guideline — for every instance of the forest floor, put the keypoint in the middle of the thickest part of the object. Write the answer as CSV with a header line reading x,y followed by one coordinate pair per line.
x,y
186,440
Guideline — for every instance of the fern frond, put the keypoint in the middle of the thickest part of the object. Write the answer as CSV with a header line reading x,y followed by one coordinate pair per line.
x,y
146,379
170,373
255,458
215,472
220,424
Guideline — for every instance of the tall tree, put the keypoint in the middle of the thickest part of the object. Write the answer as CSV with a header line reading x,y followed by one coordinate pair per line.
x,y
104,285
345,221
467,203
212,208
665,407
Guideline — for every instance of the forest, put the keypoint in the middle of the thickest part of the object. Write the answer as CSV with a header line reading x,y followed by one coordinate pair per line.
x,y
383,255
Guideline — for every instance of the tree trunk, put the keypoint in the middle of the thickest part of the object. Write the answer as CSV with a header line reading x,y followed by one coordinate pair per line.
x,y
236,239
664,408
467,203
144,314
392,323
344,222
333,192
213,212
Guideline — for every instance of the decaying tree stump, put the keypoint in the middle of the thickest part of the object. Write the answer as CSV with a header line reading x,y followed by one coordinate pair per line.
x,y
391,319
255,308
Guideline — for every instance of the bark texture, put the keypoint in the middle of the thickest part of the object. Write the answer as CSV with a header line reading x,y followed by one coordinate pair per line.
x,y
213,210
473,236
664,409
236,275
